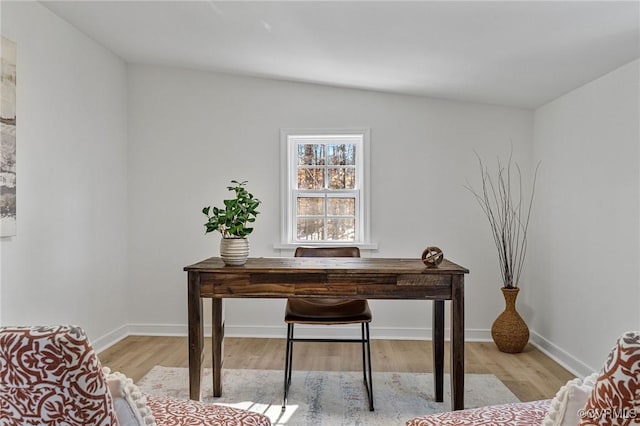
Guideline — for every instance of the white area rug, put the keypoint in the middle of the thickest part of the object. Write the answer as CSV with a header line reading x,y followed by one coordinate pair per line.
x,y
327,397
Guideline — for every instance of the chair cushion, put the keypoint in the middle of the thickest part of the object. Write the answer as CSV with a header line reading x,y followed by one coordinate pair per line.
x,y
329,311
172,411
615,398
516,414
51,375
569,401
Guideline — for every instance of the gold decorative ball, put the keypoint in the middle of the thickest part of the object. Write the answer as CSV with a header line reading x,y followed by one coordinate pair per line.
x,y
432,256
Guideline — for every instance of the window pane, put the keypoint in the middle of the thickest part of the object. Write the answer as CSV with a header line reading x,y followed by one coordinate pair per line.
x,y
310,206
342,178
341,155
311,154
341,229
324,192
311,178
310,229
341,206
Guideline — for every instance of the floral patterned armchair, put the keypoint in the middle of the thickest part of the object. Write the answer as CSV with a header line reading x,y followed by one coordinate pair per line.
x,y
52,376
610,397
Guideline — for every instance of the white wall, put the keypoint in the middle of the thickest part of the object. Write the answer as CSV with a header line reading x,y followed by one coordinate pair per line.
x,y
107,221
191,132
585,279
67,263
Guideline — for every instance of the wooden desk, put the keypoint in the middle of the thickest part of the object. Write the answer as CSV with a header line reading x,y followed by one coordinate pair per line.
x,y
349,278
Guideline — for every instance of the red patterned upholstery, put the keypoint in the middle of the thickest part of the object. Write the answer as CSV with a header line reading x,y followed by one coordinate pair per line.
x,y
518,414
166,409
51,376
615,398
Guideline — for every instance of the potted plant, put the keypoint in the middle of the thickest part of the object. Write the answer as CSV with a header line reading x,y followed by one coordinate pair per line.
x,y
232,222
502,201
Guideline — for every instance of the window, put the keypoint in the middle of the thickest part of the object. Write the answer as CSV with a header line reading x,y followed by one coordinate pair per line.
x,y
325,187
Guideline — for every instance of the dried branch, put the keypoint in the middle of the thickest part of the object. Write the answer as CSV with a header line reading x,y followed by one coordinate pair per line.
x,y
508,216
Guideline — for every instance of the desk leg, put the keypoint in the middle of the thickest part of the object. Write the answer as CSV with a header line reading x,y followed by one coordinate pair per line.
x,y
457,343
217,336
196,335
438,348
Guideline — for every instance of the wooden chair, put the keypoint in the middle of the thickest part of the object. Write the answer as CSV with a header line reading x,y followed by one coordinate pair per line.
x,y
318,311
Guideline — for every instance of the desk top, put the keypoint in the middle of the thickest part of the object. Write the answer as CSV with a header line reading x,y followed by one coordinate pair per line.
x,y
327,265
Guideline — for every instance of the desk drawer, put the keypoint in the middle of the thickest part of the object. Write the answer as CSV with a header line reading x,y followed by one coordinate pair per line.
x,y
424,280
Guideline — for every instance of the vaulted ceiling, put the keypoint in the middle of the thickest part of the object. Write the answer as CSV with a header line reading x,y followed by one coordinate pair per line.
x,y
516,53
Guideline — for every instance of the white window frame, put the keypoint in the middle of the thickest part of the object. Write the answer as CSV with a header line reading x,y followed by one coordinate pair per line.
x,y
288,190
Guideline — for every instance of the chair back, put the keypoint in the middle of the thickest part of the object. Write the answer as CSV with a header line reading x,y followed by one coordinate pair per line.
x,y
342,251
52,373
327,252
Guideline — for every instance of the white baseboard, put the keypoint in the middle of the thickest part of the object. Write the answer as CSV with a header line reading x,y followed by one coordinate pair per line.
x,y
161,330
280,331
110,339
559,355
565,359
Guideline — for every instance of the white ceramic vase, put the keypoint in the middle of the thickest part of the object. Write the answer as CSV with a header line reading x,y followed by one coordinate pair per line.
x,y
234,251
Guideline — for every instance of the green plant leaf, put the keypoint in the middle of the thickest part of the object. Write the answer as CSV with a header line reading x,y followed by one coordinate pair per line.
x,y
232,220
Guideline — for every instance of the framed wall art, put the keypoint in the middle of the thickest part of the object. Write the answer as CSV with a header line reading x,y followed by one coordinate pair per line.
x,y
8,139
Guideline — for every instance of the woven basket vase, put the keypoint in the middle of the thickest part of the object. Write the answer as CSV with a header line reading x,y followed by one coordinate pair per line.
x,y
509,331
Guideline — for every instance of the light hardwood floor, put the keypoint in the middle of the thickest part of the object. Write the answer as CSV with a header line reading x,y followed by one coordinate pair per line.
x,y
530,375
